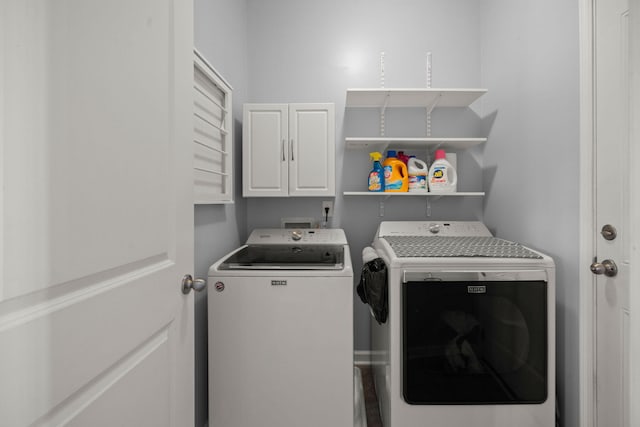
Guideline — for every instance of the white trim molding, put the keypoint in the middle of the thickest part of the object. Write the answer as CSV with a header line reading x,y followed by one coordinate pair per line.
x,y
587,282
634,395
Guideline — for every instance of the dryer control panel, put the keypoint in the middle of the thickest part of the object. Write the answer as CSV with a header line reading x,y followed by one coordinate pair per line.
x,y
433,228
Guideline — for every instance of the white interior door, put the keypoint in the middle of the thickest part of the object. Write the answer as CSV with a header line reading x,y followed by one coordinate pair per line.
x,y
96,220
612,197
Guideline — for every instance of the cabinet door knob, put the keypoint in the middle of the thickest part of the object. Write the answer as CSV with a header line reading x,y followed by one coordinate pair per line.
x,y
291,148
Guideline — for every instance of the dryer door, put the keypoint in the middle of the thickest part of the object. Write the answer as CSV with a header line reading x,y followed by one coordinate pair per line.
x,y
474,342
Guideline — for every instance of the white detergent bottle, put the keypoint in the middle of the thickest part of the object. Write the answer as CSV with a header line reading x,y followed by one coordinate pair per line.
x,y
418,172
443,178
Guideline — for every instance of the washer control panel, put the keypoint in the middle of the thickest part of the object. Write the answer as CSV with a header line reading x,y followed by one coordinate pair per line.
x,y
432,228
275,236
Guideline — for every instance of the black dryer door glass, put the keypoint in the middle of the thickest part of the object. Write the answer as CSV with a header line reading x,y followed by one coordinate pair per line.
x,y
475,342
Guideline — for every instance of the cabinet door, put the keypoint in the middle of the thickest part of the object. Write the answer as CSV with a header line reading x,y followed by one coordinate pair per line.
x,y
265,150
312,150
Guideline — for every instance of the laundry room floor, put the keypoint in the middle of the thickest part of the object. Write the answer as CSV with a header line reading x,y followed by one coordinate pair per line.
x,y
370,397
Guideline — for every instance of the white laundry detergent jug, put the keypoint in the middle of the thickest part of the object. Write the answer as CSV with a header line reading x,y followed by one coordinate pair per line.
x,y
418,172
443,177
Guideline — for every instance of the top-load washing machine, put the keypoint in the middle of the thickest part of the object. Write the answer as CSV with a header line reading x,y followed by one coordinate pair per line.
x,y
280,314
470,334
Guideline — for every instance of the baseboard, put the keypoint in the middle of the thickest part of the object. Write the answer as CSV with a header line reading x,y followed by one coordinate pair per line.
x,y
362,357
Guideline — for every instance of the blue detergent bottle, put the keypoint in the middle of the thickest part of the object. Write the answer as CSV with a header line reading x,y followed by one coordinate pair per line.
x,y
376,176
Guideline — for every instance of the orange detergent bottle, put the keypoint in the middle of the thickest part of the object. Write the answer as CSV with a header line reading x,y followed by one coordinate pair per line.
x,y
396,176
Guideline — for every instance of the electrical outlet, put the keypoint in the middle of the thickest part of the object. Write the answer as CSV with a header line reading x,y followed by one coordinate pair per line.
x,y
327,204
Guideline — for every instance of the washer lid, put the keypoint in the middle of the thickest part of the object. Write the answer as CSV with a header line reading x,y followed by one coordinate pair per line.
x,y
286,257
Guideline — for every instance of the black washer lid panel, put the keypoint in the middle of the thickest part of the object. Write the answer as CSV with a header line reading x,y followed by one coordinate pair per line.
x,y
286,257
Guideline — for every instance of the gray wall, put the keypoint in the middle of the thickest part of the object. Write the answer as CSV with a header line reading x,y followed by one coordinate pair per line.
x,y
525,53
530,65
221,37
309,51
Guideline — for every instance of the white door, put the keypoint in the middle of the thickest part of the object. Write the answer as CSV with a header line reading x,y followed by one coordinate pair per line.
x,y
96,220
265,150
613,233
312,150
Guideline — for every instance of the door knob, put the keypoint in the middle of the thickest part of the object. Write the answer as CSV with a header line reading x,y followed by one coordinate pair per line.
x,y
188,283
606,267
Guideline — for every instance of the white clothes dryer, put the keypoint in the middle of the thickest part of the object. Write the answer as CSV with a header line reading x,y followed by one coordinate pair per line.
x,y
280,314
470,336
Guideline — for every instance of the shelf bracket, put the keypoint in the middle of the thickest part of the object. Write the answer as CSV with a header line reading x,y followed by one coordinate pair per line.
x,y
434,104
383,110
382,69
428,112
386,99
429,69
430,198
432,153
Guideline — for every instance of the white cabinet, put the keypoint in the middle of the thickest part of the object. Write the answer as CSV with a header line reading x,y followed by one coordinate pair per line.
x,y
428,98
288,150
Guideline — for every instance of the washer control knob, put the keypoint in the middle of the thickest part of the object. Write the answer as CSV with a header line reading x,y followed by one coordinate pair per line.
x,y
296,235
434,228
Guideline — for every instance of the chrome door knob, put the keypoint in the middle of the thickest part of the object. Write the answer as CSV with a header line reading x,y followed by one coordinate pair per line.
x,y
188,283
606,267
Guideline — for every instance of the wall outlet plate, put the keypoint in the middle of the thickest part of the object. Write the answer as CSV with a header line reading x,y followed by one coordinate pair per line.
x,y
327,204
